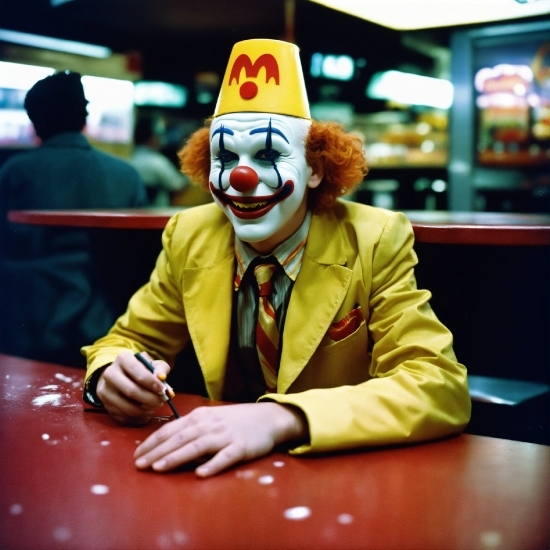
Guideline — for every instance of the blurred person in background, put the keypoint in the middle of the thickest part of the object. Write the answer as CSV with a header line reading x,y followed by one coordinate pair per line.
x,y
50,298
160,176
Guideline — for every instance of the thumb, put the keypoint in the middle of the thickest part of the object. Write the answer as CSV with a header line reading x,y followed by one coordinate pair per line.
x,y
162,369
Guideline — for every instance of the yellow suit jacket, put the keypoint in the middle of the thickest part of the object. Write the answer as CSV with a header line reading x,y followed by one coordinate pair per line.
x,y
395,379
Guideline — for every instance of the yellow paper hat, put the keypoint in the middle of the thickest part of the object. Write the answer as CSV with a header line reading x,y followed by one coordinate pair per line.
x,y
264,76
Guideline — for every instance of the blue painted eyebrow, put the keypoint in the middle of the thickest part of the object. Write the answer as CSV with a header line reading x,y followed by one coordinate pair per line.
x,y
269,129
224,130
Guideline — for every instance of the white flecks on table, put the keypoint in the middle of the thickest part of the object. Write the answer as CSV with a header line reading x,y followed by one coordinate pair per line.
x,y
62,533
345,519
62,377
99,489
16,509
297,513
266,480
51,399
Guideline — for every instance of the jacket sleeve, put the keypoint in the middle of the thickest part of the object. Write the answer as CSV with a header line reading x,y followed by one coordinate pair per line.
x,y
154,321
417,389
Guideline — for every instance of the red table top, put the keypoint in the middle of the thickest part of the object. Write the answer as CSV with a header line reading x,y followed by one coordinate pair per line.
x,y
68,481
488,228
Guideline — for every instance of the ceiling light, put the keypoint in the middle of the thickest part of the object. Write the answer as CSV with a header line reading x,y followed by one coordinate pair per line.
x,y
56,44
423,14
411,89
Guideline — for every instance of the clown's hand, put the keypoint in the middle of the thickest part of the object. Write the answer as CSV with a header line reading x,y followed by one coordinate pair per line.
x,y
228,434
130,393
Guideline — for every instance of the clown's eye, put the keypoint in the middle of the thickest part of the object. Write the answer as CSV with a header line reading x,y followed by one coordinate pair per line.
x,y
227,156
267,155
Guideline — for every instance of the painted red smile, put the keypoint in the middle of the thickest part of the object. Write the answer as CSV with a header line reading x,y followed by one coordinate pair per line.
x,y
250,208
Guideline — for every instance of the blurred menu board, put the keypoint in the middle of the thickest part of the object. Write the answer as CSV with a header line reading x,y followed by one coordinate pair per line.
x,y
512,84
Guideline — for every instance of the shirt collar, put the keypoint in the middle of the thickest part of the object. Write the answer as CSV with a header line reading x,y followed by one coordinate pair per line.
x,y
289,253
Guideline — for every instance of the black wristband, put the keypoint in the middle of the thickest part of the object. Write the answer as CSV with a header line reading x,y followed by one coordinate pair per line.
x,y
90,387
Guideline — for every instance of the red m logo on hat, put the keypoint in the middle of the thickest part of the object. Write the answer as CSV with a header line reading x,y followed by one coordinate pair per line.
x,y
252,69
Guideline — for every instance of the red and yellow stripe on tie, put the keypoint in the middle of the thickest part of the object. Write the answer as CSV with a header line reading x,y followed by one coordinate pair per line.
x,y
267,333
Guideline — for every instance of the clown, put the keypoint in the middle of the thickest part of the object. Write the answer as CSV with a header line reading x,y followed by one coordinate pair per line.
x,y
261,175
260,172
301,309
257,154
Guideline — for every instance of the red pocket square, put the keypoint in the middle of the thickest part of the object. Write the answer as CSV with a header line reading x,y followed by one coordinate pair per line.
x,y
346,326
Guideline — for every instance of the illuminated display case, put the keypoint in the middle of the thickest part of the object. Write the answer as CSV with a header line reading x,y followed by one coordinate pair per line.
x,y
512,88
500,118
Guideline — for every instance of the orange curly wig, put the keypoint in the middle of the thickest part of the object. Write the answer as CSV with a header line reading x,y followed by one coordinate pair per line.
x,y
330,151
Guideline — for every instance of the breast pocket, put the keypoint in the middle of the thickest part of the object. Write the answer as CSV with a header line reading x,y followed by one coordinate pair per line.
x,y
341,363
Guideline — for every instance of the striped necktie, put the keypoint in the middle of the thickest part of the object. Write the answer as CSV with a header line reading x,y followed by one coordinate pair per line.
x,y
267,333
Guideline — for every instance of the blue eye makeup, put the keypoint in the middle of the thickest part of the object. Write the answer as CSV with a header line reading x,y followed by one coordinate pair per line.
x,y
225,156
268,154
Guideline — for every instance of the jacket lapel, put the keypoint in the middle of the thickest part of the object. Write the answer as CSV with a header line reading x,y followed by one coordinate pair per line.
x,y
207,295
318,293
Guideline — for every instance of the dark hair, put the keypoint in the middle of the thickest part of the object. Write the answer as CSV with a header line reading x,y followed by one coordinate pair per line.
x,y
57,104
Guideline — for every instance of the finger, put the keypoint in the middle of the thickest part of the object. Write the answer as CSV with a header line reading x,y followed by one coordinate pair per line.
x,y
146,399
226,457
134,370
172,454
193,450
115,389
147,356
117,403
161,435
195,419
138,385
161,369
169,390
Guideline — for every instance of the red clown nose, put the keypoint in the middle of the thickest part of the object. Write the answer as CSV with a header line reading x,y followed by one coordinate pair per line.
x,y
243,179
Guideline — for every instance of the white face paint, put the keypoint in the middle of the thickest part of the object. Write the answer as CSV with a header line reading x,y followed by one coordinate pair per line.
x,y
259,175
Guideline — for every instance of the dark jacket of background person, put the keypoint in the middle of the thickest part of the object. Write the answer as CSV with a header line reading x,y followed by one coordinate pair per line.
x,y
50,300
